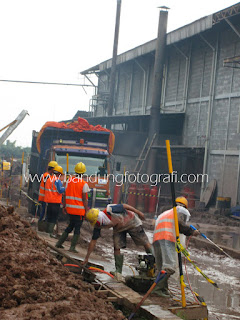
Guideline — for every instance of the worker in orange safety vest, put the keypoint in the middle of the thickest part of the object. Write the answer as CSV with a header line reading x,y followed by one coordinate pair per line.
x,y
76,205
164,240
41,193
53,197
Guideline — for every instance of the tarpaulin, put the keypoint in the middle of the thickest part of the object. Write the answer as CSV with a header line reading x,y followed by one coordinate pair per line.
x,y
80,125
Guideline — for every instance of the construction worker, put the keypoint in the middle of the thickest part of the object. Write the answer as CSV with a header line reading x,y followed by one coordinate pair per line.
x,y
164,240
53,197
41,193
76,205
124,219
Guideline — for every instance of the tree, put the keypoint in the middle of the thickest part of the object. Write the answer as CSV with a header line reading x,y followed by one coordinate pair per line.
x,y
9,150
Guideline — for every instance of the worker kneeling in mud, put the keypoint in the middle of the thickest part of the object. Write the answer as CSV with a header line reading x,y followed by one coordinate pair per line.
x,y
123,219
164,240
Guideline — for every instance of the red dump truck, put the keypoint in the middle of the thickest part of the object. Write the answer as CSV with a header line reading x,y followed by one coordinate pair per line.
x,y
91,145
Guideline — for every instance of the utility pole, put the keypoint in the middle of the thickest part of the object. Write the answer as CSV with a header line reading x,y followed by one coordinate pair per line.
x,y
157,85
114,62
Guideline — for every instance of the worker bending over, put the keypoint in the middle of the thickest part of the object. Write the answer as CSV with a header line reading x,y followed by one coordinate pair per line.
x,y
124,219
76,205
164,240
41,193
53,197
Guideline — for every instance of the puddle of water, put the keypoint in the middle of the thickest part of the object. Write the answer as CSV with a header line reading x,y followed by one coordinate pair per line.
x,y
224,237
223,303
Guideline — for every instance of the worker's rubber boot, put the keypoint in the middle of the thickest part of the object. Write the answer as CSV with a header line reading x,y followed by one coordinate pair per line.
x,y
74,243
118,265
161,288
50,228
150,250
61,240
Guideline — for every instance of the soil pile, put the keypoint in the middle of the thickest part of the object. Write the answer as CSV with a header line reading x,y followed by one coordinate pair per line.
x,y
35,285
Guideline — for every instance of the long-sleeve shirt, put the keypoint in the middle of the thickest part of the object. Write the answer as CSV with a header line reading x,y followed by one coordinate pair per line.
x,y
59,186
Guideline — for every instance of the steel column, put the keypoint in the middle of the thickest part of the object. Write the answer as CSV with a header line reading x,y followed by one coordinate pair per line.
x,y
114,61
157,86
210,106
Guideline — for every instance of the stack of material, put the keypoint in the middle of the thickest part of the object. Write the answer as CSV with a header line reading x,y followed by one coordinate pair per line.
x,y
34,285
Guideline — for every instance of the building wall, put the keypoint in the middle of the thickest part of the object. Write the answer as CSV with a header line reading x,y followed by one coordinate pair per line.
x,y
196,83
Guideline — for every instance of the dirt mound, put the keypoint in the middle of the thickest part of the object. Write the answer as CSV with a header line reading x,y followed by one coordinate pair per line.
x,y
35,285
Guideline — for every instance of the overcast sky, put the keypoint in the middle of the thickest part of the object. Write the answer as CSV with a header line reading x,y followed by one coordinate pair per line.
x,y
54,40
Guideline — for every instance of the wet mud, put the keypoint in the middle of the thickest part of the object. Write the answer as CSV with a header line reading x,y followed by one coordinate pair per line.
x,y
34,285
223,303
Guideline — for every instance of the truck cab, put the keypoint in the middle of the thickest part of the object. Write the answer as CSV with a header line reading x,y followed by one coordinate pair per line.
x,y
89,147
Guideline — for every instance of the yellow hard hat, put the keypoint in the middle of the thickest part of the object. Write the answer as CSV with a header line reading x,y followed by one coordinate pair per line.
x,y
58,169
52,164
92,216
80,168
182,200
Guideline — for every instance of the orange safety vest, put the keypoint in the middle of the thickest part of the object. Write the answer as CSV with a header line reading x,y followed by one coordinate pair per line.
x,y
165,227
51,193
74,202
41,192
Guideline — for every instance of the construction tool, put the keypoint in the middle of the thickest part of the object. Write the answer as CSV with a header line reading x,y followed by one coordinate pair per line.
x,y
205,237
67,155
160,276
86,273
180,249
146,269
158,196
182,284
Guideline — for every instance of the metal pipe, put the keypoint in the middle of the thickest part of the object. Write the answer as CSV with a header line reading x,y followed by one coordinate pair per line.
x,y
186,77
200,100
186,80
165,74
114,61
158,72
144,84
227,129
130,92
117,90
157,86
210,106
146,88
238,172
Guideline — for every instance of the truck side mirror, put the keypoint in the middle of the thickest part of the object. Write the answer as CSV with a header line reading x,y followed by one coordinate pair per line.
x,y
118,166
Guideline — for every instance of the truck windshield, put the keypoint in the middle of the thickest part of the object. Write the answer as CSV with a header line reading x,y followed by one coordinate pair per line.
x,y
94,166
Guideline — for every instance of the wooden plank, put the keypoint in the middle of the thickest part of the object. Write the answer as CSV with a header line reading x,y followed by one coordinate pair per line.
x,y
194,312
130,299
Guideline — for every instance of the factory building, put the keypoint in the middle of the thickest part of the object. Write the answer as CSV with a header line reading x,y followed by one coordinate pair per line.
x,y
199,110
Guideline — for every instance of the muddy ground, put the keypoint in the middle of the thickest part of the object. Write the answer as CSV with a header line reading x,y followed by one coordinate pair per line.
x,y
223,303
34,285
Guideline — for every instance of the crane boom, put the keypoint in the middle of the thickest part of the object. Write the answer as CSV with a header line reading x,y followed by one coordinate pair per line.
x,y
12,126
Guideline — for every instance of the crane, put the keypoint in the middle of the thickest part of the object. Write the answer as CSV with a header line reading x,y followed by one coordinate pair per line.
x,y
12,126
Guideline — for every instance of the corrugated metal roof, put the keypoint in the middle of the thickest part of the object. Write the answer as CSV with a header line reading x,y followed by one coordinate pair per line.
x,y
190,30
177,35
